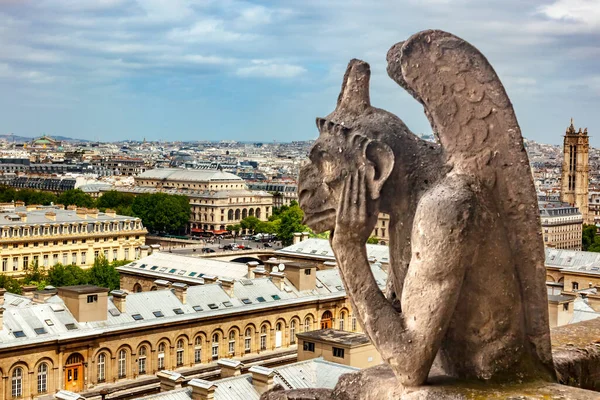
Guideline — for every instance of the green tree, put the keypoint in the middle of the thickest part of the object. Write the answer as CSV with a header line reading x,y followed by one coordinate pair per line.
x,y
250,223
35,274
267,226
290,222
67,275
372,240
588,237
322,235
118,201
161,212
76,197
233,229
7,194
10,284
104,274
30,196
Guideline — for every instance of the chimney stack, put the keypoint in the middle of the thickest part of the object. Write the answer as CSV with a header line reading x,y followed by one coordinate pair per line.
x,y
144,250
278,279
227,285
119,299
169,380
251,267
297,238
162,284
110,212
209,278
329,264
180,291
260,272
230,368
202,390
51,215
154,248
262,378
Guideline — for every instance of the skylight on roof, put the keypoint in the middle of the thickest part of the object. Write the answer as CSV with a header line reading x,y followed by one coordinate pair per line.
x,y
158,314
40,331
154,268
143,266
340,288
260,299
137,317
246,282
246,301
114,312
227,304
178,311
16,302
19,334
192,274
181,272
49,322
163,269
197,308
276,297
213,306
172,271
71,326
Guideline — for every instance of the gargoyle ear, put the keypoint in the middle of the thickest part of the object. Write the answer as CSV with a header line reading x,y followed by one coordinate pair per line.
x,y
380,165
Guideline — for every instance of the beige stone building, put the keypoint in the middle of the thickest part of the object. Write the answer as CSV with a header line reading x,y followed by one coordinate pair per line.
x,y
575,170
80,338
382,229
48,235
340,346
562,225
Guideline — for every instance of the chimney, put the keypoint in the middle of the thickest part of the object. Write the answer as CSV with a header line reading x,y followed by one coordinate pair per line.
x,y
329,264
305,236
162,284
154,248
93,212
28,290
81,212
40,296
209,278
297,238
51,215
19,203
227,285
278,279
180,291
169,380
251,267
72,207
23,217
32,207
230,368
202,390
144,250
119,299
260,272
262,378
111,213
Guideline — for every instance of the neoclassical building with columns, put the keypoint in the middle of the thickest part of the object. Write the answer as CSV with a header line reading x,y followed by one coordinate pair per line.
x,y
82,337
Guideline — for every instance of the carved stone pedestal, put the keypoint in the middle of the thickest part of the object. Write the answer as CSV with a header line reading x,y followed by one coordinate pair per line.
x,y
379,383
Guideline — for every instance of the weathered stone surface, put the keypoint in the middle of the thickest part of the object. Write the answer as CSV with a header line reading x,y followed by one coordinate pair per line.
x,y
467,276
576,353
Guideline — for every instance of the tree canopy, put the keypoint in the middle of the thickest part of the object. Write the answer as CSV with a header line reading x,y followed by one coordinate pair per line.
x,y
76,197
161,212
118,201
590,240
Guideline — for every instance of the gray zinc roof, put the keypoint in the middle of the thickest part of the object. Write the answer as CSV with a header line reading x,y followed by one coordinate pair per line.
x,y
192,175
321,249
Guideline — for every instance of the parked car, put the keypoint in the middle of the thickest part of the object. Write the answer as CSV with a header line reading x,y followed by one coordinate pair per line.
x,y
208,250
228,246
267,245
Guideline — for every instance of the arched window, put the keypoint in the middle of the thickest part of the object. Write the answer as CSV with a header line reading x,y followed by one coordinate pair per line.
x,y
122,363
142,360
251,212
42,378
258,213
244,213
575,286
248,340
293,331
17,382
342,320
229,215
353,324
263,337
137,288
101,368
237,214
215,346
180,350
198,350
307,323
161,356
232,342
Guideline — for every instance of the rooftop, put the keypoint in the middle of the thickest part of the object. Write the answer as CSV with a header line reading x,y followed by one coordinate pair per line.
x,y
321,249
335,336
83,289
191,175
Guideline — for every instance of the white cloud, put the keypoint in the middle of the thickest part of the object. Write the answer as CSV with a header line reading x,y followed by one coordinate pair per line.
x,y
207,30
270,69
582,11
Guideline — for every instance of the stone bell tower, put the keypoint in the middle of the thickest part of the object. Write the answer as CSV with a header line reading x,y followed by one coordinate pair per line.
x,y
575,168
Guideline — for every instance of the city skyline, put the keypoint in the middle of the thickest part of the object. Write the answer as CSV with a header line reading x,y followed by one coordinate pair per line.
x,y
262,71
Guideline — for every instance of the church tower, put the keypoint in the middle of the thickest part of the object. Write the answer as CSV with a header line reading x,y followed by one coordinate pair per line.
x,y
575,169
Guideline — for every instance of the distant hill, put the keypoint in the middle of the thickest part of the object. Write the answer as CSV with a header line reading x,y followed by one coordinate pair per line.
x,y
19,139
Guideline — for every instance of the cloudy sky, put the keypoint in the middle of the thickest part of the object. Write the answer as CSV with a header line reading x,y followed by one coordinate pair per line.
x,y
263,70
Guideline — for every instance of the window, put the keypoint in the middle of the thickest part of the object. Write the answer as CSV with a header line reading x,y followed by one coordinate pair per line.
x,y
25,262
248,341
260,299
4,264
575,286
40,331
65,258
122,363
137,317
19,334
127,254
92,298
353,324
215,346
307,323
263,337
142,360
101,367
309,346
246,301
180,350
178,311
276,297
307,271
227,304
213,306
161,356
96,254
54,259
158,314
232,342
114,255
83,255
337,352
15,263
293,331
46,260
197,308
342,319
17,382
198,350
42,378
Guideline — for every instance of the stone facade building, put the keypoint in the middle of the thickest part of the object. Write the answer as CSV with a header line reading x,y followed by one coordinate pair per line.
x,y
82,337
48,235
575,170
562,225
